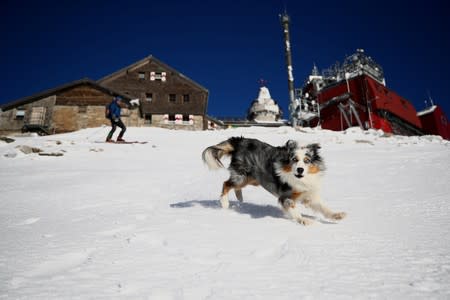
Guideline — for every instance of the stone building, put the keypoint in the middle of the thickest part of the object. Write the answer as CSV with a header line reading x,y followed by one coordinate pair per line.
x,y
69,107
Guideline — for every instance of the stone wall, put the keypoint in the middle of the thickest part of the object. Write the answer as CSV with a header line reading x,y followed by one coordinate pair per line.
x,y
65,118
9,121
71,118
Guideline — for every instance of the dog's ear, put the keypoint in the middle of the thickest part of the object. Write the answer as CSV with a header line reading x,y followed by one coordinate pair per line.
x,y
313,150
291,145
313,147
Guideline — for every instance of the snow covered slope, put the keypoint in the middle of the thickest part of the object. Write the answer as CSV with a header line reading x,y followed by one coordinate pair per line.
x,y
107,221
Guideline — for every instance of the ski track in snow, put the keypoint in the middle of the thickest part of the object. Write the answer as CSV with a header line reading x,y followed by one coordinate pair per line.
x,y
143,222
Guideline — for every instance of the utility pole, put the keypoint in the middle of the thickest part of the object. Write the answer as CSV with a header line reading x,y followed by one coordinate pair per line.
x,y
284,18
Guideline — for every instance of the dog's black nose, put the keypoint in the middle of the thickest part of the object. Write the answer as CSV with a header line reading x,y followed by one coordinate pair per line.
x,y
300,171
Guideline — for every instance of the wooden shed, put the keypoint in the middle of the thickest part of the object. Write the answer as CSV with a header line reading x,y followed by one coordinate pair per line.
x,y
69,107
167,98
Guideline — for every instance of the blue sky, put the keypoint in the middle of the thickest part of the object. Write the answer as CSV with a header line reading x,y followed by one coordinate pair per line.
x,y
226,46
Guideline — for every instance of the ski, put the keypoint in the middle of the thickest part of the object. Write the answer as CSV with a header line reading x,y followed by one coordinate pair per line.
x,y
124,142
131,142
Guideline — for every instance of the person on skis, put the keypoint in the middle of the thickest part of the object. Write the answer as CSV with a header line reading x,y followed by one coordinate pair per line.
x,y
114,116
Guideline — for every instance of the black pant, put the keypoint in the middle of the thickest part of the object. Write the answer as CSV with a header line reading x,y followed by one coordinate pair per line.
x,y
114,125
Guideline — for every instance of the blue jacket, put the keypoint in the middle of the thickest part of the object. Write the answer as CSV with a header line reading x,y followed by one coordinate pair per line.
x,y
114,110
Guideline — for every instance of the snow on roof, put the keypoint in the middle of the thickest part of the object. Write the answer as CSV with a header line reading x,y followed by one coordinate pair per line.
x,y
427,111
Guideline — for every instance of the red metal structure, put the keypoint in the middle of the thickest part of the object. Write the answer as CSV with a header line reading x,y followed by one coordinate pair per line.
x,y
435,122
355,94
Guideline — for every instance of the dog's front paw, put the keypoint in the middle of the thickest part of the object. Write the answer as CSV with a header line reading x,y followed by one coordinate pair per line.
x,y
305,221
338,216
288,204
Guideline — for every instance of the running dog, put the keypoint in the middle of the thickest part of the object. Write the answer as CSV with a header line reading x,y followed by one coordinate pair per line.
x,y
291,173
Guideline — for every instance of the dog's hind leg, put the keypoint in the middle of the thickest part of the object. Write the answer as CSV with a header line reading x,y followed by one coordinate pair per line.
x,y
238,192
244,181
227,186
236,182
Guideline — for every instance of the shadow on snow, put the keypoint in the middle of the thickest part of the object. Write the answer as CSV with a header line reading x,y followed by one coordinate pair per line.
x,y
254,210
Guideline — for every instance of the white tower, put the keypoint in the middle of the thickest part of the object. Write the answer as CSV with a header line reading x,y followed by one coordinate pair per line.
x,y
264,108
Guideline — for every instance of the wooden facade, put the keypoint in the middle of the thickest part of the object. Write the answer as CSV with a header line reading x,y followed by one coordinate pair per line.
x,y
167,98
70,107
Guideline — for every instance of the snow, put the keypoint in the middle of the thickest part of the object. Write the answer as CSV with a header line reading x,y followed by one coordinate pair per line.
x,y
143,221
427,110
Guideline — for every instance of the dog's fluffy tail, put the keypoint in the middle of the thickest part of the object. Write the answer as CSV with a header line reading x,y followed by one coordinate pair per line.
x,y
212,155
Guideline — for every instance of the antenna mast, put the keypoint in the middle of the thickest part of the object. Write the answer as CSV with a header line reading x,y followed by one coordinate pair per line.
x,y
429,98
284,18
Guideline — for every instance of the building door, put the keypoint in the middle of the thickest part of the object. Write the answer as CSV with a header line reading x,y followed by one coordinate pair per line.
x,y
37,116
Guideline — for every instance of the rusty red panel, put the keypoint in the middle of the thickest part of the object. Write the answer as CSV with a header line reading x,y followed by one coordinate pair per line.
x,y
388,100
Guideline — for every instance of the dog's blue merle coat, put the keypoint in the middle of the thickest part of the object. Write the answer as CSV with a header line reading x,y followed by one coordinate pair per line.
x,y
253,159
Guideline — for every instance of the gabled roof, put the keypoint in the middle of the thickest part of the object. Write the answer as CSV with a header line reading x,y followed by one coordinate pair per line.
x,y
66,86
144,61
